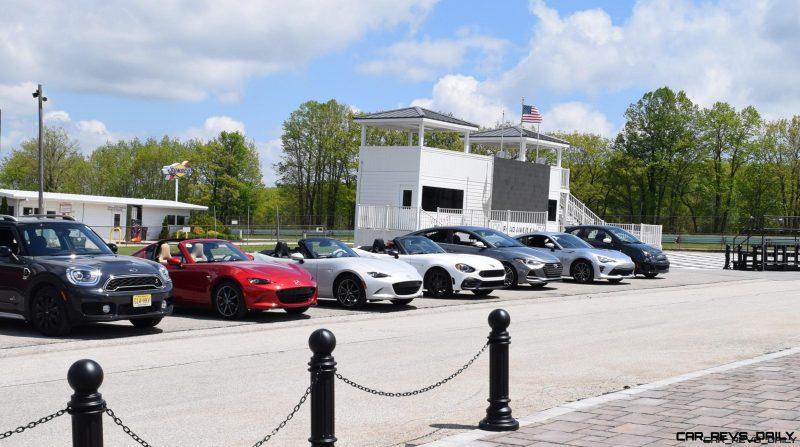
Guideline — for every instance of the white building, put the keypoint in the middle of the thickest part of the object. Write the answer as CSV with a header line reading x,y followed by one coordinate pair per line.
x,y
403,188
111,217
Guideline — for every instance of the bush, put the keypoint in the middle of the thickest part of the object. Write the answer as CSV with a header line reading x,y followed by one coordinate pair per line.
x,y
164,234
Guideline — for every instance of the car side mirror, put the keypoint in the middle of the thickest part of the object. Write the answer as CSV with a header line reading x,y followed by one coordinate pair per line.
x,y
113,247
5,252
607,240
297,257
393,253
551,246
174,261
479,244
251,257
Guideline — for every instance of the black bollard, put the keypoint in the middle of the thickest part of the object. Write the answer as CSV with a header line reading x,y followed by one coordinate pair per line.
x,y
86,405
498,413
727,257
322,367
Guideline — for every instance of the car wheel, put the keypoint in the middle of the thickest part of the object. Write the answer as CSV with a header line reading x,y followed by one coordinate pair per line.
x,y
650,275
228,301
582,272
511,276
438,283
402,302
615,280
49,313
146,322
296,310
349,292
482,292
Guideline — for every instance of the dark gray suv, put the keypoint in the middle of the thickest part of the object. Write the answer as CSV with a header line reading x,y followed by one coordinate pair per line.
x,y
58,273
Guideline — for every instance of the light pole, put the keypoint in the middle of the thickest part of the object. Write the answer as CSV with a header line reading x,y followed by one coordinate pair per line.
x,y
38,94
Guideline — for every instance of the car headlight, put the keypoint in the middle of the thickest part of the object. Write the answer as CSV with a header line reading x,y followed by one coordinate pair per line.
x,y
464,268
83,276
378,274
605,260
164,273
531,263
259,281
646,254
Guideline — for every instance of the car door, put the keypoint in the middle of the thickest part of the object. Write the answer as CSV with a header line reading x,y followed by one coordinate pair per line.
x,y
12,284
191,281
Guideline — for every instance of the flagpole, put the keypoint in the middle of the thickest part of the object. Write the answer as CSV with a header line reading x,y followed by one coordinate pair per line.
x,y
538,137
502,127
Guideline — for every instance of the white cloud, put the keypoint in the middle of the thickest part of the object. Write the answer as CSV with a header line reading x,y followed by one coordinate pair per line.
x,y
181,50
743,53
15,98
465,98
212,127
56,116
269,153
421,60
577,116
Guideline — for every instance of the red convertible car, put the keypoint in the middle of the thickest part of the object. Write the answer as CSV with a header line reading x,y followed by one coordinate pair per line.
x,y
213,272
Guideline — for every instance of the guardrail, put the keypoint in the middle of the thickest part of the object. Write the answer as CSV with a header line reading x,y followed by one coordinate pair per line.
x,y
87,406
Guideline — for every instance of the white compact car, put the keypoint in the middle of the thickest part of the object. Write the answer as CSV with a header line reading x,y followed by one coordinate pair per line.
x,y
352,280
444,272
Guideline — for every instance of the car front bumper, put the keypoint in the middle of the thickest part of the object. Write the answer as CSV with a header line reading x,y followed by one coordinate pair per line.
x,y
390,288
272,296
539,276
95,305
614,270
652,266
480,280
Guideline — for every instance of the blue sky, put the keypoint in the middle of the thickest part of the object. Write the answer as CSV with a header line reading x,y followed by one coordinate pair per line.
x,y
123,69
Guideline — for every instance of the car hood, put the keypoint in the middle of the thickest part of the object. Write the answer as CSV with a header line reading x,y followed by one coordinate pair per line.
x,y
510,253
649,248
389,265
110,264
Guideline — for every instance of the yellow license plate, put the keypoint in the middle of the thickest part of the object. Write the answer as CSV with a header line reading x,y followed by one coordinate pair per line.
x,y
142,300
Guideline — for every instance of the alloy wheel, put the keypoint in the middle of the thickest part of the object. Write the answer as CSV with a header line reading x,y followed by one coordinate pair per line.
x,y
348,293
227,299
47,313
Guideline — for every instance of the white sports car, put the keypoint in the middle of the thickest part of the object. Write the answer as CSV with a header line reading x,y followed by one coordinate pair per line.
x,y
352,280
444,272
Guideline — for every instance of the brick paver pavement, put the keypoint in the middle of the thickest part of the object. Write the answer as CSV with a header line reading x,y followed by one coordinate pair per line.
x,y
761,394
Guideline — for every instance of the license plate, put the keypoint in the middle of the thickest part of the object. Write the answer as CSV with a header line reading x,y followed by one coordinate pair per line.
x,y
142,300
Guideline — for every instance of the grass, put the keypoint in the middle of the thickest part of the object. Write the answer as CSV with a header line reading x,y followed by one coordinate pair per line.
x,y
690,247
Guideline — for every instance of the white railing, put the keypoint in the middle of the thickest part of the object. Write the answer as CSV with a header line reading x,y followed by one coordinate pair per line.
x,y
377,217
577,213
649,234
518,222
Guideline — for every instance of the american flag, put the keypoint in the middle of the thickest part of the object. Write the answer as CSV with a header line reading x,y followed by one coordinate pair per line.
x,y
530,114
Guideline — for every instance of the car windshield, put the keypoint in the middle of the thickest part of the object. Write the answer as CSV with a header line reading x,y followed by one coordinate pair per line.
x,y
570,241
417,245
214,251
327,248
624,236
498,239
61,239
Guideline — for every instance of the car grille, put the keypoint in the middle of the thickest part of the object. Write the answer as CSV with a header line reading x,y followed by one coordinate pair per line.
x,y
487,284
553,269
407,287
661,257
622,272
295,295
134,283
492,273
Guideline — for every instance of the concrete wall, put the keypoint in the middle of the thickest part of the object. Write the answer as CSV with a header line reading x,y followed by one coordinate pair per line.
x,y
520,186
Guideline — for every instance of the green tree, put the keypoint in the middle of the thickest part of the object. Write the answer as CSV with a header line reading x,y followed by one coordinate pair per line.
x,y
659,134
320,150
227,174
62,163
589,162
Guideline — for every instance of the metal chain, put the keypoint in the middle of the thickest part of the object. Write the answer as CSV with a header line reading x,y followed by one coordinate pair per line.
x,y
127,430
415,392
291,415
33,424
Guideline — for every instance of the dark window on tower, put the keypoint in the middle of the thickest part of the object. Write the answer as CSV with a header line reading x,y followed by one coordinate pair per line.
x,y
433,198
406,197
552,205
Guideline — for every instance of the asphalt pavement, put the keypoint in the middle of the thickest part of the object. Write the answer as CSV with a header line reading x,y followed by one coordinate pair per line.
x,y
199,381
